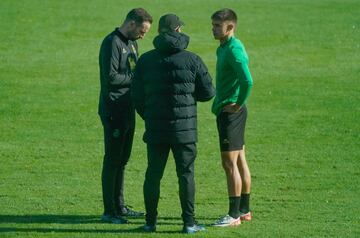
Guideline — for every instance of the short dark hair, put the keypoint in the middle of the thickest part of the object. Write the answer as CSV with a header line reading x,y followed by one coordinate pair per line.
x,y
139,15
225,14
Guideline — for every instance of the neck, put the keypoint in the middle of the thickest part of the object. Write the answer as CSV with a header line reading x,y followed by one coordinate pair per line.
x,y
225,38
123,31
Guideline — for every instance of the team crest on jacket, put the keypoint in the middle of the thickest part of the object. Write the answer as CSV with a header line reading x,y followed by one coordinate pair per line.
x,y
124,51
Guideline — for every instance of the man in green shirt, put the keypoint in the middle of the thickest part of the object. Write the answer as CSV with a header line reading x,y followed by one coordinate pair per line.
x,y
233,86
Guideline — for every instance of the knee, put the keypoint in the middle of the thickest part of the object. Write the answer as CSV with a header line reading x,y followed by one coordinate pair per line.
x,y
110,161
185,171
153,176
123,163
186,178
228,166
115,160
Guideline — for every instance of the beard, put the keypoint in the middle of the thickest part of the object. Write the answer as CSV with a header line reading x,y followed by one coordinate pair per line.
x,y
133,37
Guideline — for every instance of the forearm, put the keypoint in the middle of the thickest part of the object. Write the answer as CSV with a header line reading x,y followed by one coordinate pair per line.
x,y
204,90
244,93
120,79
246,84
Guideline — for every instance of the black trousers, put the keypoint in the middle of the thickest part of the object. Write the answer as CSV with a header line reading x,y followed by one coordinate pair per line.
x,y
118,140
184,155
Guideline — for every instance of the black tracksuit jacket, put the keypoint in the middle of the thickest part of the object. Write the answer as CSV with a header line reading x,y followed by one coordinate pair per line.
x,y
117,60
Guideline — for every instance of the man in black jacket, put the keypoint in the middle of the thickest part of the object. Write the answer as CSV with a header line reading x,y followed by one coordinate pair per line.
x,y
117,59
167,84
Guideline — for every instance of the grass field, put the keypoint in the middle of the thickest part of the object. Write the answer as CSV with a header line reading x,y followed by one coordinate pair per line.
x,y
303,131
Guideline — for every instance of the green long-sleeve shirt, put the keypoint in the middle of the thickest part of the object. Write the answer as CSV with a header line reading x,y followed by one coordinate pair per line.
x,y
233,78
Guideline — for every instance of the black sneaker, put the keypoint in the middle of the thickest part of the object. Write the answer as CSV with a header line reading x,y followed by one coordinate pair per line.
x,y
113,219
149,228
129,212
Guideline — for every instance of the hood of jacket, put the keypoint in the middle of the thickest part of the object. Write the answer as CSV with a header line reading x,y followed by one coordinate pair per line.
x,y
171,42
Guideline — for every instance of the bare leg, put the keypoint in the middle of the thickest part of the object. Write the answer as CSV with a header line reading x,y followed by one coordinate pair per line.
x,y
229,163
244,172
246,185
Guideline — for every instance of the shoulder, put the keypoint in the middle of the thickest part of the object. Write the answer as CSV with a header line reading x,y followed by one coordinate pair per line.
x,y
192,60
112,41
236,45
191,56
236,42
147,56
237,50
115,39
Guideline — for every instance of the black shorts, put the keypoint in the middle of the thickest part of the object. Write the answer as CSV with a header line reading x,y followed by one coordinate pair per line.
x,y
231,129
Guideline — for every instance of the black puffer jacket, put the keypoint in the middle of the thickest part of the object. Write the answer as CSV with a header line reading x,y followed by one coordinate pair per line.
x,y
167,84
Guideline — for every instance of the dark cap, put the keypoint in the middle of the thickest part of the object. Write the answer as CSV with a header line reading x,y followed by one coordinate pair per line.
x,y
169,22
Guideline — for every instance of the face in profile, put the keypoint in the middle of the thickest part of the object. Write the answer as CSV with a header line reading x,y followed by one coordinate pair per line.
x,y
138,31
221,29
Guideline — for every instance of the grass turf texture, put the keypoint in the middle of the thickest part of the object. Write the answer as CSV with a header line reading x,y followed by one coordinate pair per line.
x,y
303,134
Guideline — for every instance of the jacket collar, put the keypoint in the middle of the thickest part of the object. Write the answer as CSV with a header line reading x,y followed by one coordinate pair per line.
x,y
120,35
171,42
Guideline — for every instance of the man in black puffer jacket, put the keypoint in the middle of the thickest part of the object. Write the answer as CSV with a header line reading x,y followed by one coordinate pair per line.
x,y
167,84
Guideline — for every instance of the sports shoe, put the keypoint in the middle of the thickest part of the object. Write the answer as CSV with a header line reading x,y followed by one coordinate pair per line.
x,y
193,229
113,219
227,221
149,228
246,216
129,212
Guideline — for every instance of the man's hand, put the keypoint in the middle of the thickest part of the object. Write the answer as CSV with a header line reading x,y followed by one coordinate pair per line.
x,y
231,108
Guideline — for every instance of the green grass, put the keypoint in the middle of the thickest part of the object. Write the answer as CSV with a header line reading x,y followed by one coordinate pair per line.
x,y
303,132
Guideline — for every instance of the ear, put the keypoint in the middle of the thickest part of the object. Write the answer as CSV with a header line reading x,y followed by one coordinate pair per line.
x,y
132,24
230,27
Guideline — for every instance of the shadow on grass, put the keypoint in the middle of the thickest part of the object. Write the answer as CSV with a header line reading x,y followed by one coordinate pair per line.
x,y
82,219
79,219
50,218
73,219
72,230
